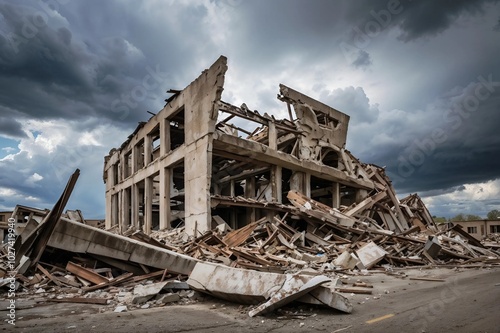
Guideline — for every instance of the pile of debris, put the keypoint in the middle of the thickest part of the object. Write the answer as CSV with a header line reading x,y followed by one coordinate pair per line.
x,y
297,254
264,220
309,234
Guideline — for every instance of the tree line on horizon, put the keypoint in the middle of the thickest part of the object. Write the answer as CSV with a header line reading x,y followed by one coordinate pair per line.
x,y
492,215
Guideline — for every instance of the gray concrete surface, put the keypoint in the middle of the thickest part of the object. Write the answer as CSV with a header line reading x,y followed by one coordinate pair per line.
x,y
468,301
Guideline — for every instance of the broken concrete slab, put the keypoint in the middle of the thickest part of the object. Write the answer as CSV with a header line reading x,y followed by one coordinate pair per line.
x,y
346,260
293,288
80,238
252,287
326,295
234,284
177,285
143,293
121,308
370,254
169,298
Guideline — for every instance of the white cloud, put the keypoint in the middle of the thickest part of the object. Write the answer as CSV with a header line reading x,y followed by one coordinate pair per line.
x,y
9,149
34,178
479,199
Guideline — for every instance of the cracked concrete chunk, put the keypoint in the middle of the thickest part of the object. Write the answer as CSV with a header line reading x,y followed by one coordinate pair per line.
x,y
293,288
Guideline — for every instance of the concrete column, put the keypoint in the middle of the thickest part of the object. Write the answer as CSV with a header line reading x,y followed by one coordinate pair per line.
x,y
164,136
233,222
307,184
272,135
277,182
110,182
148,204
126,207
109,209
134,159
335,195
165,198
147,149
250,193
135,205
120,210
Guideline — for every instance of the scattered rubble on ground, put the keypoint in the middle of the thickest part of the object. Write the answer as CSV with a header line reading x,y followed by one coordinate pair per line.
x,y
289,210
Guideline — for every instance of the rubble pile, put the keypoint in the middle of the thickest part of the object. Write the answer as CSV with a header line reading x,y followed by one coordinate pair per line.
x,y
304,246
264,220
309,234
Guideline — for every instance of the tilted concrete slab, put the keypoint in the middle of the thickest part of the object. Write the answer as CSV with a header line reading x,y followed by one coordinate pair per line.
x,y
326,295
294,287
81,238
253,287
235,284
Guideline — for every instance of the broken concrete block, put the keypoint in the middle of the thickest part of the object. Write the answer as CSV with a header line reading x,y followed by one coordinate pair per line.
x,y
169,298
346,260
293,288
121,308
327,295
176,285
370,254
234,284
143,293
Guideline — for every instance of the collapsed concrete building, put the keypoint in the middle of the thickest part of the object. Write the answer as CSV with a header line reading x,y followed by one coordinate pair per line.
x,y
190,164
271,218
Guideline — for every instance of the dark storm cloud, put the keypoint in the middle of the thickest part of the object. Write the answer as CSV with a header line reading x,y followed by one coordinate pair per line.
x,y
427,18
363,60
416,19
93,62
49,71
11,128
462,148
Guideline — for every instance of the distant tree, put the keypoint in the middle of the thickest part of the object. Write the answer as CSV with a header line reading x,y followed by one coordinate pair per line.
x,y
458,217
473,217
439,219
464,217
494,215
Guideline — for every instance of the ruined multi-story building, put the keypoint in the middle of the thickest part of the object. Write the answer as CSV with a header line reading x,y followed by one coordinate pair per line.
x,y
194,163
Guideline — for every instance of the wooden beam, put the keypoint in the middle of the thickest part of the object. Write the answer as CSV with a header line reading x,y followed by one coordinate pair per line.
x,y
85,273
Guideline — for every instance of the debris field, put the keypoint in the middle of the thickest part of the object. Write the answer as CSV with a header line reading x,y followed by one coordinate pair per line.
x,y
193,208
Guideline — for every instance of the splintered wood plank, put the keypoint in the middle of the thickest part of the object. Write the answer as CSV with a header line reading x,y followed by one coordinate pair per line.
x,y
355,290
90,300
117,280
47,274
85,273
366,203
238,236
427,279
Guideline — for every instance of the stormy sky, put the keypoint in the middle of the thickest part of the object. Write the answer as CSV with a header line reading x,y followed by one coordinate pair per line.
x,y
420,80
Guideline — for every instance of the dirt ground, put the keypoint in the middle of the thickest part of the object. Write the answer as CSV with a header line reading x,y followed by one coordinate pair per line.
x,y
468,301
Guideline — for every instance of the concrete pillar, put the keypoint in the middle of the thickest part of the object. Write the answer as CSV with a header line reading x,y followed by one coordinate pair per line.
x,y
307,184
126,207
148,204
120,210
277,183
135,201
250,193
272,135
164,136
335,195
165,198
135,159
297,182
147,149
